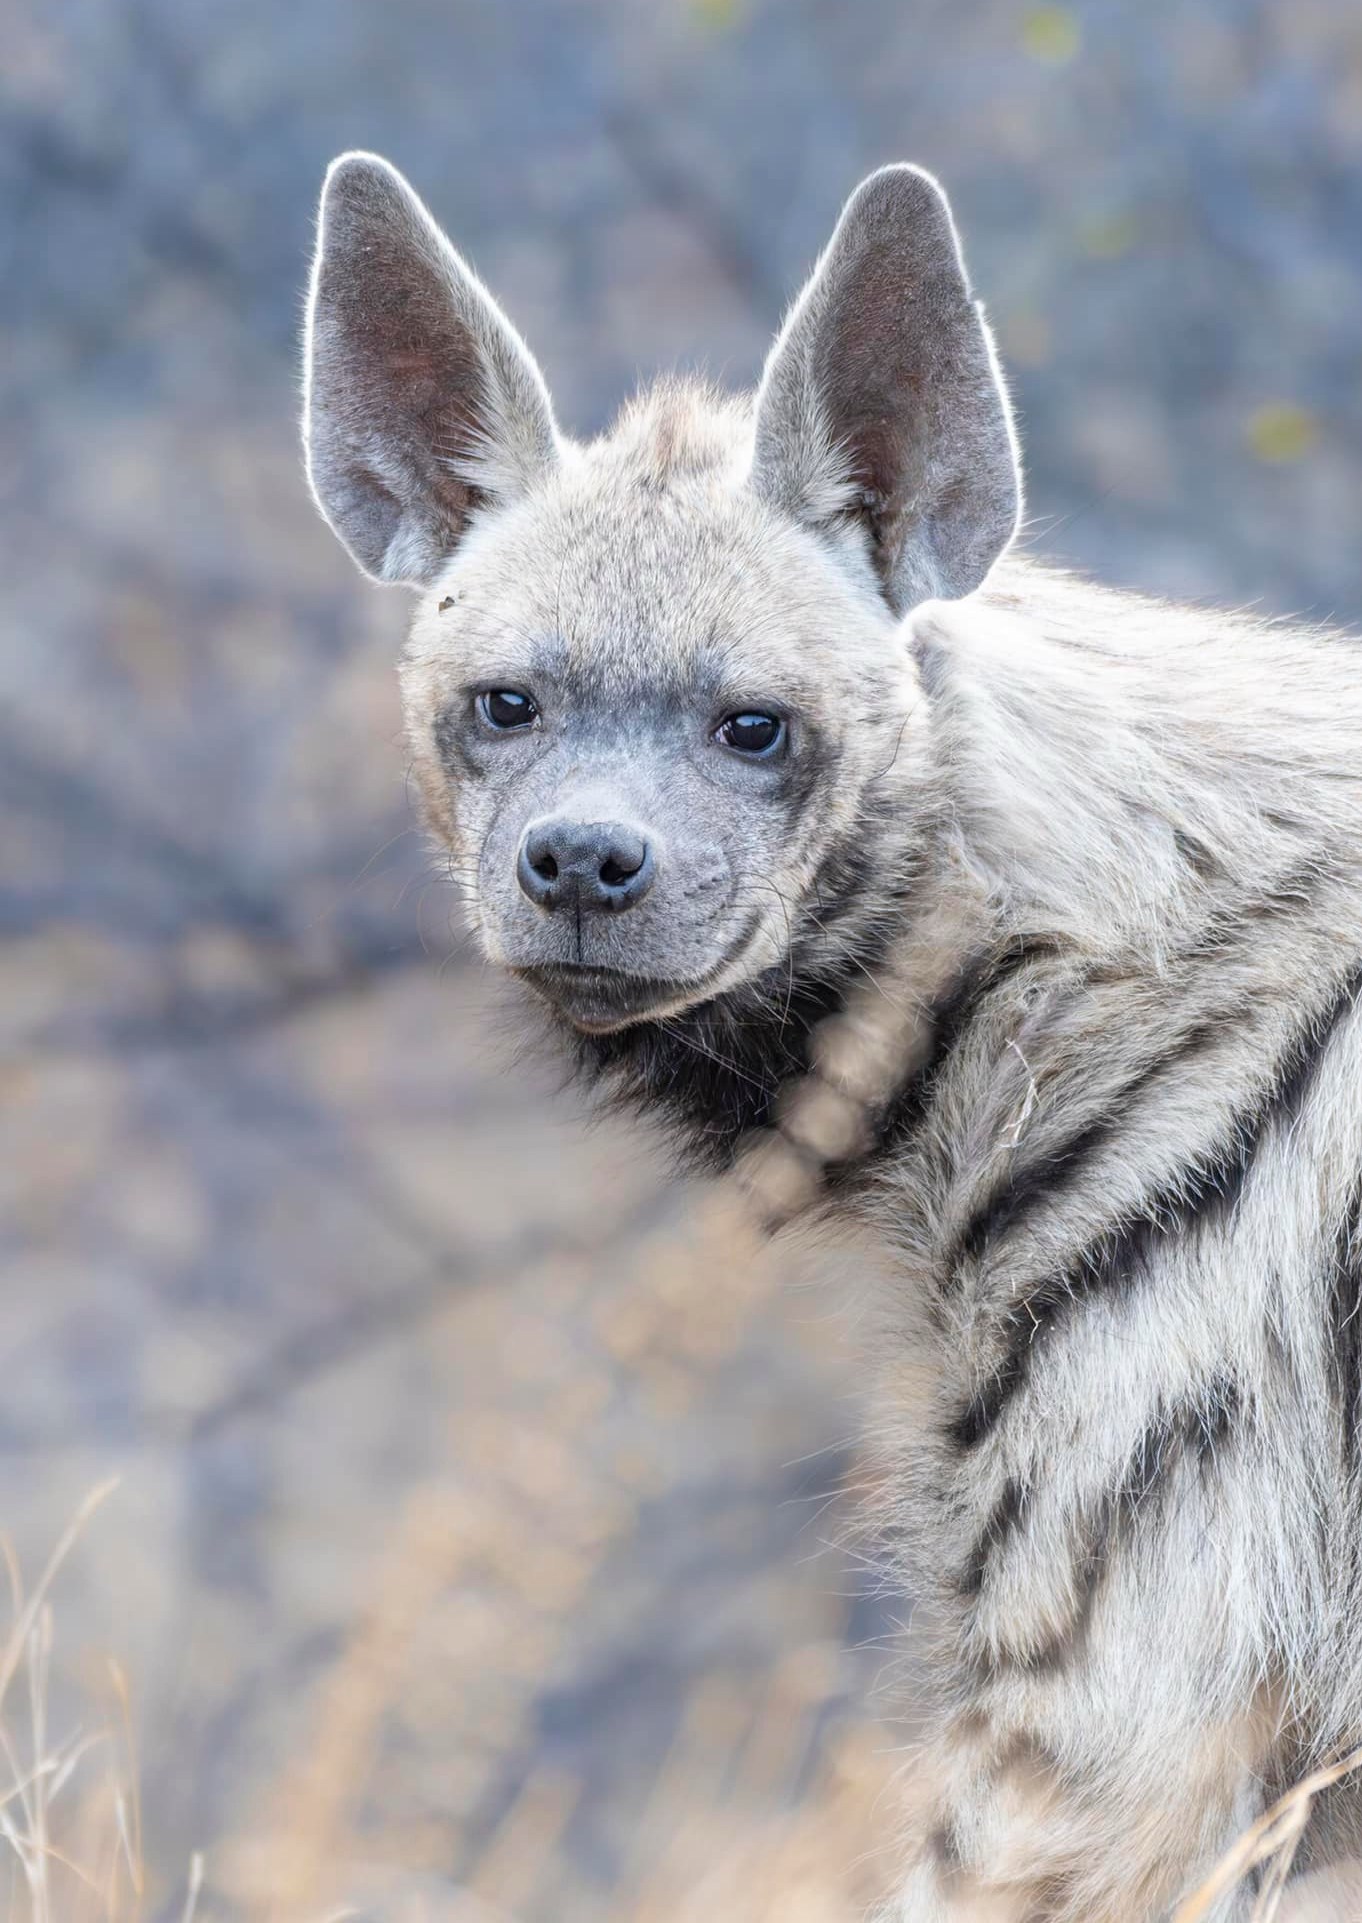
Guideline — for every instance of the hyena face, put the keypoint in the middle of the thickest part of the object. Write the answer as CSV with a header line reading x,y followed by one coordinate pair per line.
x,y
656,686
640,727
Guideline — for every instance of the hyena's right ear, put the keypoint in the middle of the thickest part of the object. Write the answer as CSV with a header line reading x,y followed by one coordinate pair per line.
x,y
421,400
882,402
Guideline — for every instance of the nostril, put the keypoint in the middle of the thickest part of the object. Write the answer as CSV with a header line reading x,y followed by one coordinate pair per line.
x,y
537,869
624,856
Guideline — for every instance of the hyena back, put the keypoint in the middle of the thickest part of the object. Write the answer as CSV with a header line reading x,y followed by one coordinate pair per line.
x,y
744,713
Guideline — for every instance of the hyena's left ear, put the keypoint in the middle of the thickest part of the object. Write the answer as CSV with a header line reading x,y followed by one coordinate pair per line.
x,y
422,402
882,400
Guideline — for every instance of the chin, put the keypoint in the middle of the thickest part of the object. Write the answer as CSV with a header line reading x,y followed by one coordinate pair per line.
x,y
600,1001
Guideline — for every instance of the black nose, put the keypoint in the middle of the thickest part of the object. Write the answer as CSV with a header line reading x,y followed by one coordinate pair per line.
x,y
584,864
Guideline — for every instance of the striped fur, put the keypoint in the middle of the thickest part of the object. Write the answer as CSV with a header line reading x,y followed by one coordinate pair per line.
x,y
1100,860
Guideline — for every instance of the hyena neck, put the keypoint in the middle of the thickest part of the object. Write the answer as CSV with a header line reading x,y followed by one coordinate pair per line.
x,y
1091,793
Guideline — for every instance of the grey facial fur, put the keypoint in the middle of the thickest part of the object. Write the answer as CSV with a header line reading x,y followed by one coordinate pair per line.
x,y
652,621
1101,859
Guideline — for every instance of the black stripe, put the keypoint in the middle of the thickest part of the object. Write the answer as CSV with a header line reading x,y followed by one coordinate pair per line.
x,y
1196,854
1142,1476
1033,1183
1197,1426
1193,1430
944,1850
1009,1514
1204,1194
979,978
1114,1262
1298,1071
1209,1421
1345,1323
1279,896
1030,1185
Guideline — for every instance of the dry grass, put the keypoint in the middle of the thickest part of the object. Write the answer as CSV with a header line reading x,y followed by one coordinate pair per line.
x,y
1271,1844
772,1800
71,1818
69,1814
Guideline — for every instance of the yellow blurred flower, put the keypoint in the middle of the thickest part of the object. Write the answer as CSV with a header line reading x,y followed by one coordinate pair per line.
x,y
1281,431
716,14
1050,34
1109,237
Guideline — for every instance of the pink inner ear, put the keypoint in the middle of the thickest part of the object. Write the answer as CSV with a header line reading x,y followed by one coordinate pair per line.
x,y
413,372
886,365
414,361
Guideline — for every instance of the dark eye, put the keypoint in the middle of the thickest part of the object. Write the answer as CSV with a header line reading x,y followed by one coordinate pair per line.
x,y
507,708
751,733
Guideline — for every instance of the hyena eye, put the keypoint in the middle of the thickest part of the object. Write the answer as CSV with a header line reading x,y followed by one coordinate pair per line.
x,y
506,708
751,733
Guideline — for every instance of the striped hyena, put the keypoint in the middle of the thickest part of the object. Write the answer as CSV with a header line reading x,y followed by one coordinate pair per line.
x,y
742,725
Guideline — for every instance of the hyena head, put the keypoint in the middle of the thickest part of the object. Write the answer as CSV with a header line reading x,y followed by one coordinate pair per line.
x,y
659,699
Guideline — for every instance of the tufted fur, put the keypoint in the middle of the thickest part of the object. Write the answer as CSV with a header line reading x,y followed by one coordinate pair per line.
x,y
1054,921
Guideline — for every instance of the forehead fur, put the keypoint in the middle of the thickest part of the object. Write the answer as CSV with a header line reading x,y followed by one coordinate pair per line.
x,y
675,428
645,553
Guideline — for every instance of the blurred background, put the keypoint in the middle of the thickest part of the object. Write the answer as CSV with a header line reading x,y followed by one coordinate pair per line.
x,y
486,1539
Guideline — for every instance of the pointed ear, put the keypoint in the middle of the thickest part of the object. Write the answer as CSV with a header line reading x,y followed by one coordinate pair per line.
x,y
421,402
882,401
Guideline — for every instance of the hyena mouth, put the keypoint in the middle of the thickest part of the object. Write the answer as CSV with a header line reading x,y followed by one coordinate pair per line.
x,y
599,1000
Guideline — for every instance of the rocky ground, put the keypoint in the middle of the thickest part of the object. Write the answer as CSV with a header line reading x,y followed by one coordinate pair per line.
x,y
478,1525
